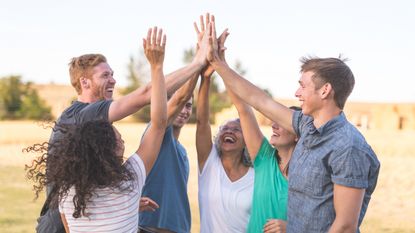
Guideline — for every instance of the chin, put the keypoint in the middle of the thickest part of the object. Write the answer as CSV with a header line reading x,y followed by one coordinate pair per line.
x,y
108,97
178,124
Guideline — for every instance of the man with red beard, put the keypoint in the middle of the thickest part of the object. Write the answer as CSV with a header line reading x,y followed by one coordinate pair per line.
x,y
93,80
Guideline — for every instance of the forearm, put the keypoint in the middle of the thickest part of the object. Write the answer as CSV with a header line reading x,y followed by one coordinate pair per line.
x,y
129,104
254,96
342,227
202,113
250,128
158,107
241,106
177,78
203,130
245,90
186,91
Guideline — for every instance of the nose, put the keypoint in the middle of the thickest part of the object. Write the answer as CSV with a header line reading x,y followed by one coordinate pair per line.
x,y
112,80
298,93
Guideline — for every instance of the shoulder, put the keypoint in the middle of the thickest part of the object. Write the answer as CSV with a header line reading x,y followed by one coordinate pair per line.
x,y
354,161
301,122
266,150
212,160
136,165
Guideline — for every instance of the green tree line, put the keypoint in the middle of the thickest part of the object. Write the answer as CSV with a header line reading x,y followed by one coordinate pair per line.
x,y
19,100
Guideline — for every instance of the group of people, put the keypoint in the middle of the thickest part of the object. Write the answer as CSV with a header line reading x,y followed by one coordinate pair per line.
x,y
316,173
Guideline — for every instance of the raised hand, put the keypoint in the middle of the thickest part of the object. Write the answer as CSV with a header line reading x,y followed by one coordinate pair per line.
x,y
203,27
221,44
154,46
213,50
203,38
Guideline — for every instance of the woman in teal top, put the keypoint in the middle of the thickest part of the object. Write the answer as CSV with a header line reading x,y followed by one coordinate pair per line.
x,y
269,204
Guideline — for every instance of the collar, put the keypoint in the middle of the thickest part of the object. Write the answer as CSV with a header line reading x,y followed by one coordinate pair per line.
x,y
330,125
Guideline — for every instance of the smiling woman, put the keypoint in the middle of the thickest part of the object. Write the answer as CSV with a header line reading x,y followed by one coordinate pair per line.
x,y
226,177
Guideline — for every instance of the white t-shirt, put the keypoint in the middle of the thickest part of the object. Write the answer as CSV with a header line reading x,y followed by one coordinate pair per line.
x,y
224,206
109,210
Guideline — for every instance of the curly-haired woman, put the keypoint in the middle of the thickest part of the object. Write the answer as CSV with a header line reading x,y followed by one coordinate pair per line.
x,y
96,190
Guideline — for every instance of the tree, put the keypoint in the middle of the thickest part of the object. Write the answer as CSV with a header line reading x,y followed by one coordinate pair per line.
x,y
19,100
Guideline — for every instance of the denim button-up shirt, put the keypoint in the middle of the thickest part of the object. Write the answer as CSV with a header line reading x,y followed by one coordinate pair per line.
x,y
335,153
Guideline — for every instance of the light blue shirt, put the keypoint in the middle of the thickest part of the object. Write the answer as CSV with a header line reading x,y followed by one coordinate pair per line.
x,y
335,153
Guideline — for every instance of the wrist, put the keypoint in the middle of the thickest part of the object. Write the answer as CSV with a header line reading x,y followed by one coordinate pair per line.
x,y
217,64
157,67
199,61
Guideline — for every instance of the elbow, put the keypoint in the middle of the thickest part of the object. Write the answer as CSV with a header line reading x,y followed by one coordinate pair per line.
x,y
147,94
160,123
203,120
346,227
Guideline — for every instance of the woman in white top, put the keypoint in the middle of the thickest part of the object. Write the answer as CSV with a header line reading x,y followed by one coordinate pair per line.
x,y
97,192
226,177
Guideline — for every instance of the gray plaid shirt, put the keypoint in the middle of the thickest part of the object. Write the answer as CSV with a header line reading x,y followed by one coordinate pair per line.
x,y
334,153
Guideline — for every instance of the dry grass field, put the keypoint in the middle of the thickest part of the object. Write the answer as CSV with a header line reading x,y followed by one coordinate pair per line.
x,y
392,208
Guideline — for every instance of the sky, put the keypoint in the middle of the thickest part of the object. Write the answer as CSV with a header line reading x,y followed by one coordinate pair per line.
x,y
38,38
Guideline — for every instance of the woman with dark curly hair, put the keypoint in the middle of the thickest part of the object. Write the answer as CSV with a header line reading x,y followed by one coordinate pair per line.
x,y
96,190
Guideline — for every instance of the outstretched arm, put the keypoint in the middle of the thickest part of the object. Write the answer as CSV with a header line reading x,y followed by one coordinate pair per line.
x,y
245,90
251,131
154,47
139,98
180,98
203,130
176,79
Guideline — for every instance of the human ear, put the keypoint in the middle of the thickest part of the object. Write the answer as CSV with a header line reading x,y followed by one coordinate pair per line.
x,y
84,82
325,90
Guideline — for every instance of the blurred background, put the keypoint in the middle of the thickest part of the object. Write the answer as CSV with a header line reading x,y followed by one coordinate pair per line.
x,y
267,39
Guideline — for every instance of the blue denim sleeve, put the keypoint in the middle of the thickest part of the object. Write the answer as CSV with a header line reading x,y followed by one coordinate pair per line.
x,y
351,168
296,121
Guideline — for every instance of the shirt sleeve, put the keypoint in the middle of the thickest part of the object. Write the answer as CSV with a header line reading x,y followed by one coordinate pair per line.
x,y
296,121
135,164
264,152
95,111
351,168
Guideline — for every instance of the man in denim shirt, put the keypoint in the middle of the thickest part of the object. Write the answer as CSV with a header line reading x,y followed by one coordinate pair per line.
x,y
333,171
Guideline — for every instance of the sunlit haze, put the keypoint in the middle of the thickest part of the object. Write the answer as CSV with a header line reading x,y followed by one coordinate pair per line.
x,y
38,38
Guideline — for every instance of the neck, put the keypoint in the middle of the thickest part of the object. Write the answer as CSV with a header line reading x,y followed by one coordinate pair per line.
x,y
176,132
86,99
285,152
231,160
233,166
285,155
325,114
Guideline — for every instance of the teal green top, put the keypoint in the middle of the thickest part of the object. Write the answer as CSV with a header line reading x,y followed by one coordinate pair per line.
x,y
270,189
